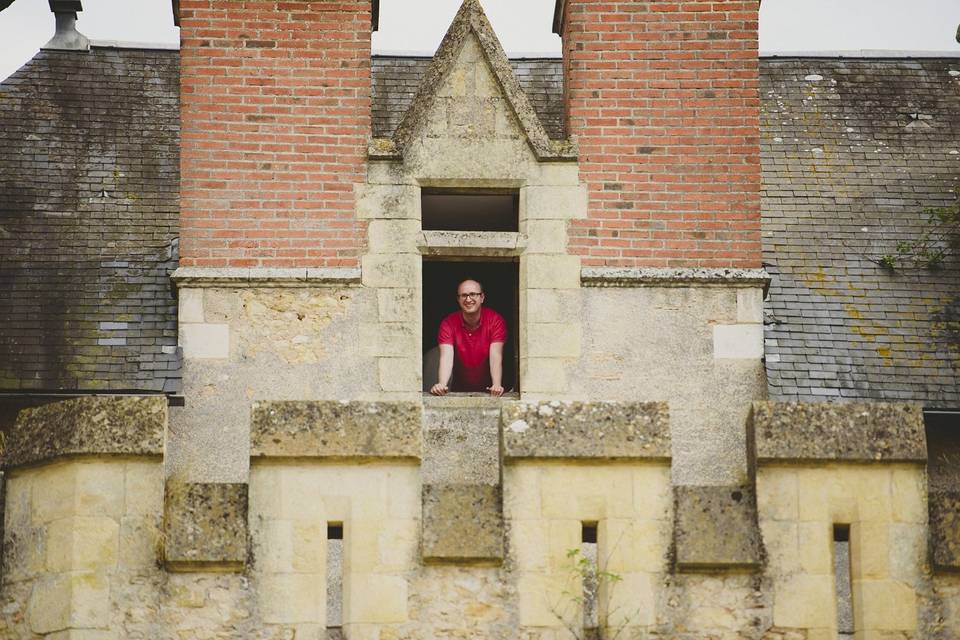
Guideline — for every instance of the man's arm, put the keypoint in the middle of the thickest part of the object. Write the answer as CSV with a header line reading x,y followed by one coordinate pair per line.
x,y
496,369
444,371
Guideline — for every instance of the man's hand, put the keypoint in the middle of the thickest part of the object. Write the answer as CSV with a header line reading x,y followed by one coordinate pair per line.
x,y
442,389
496,390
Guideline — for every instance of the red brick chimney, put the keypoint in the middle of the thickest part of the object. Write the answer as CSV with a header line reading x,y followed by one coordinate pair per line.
x,y
663,98
275,103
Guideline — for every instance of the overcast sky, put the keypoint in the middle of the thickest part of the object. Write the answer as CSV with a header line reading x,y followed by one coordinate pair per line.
x,y
524,26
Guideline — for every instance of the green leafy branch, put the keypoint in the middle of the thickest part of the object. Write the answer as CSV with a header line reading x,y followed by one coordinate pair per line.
x,y
939,240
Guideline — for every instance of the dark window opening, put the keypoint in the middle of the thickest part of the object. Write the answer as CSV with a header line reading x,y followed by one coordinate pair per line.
x,y
334,579
501,293
590,572
452,210
841,572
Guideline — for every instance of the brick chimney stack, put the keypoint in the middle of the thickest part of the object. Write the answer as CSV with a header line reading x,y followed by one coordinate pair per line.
x,y
663,98
275,102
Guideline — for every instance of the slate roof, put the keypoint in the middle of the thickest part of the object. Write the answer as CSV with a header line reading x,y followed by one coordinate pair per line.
x,y
396,80
853,151
89,180
88,219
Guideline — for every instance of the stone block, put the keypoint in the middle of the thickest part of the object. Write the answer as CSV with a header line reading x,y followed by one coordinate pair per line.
x,y
399,374
461,441
82,544
376,599
777,496
553,340
48,608
548,271
288,598
139,542
556,174
802,601
944,509
545,236
870,543
599,430
99,488
297,429
393,236
127,425
190,306
387,201
737,341
716,528
553,203
205,341
391,271
143,488
750,306
462,523
856,432
884,605
543,376
389,339
550,305
205,526
398,305
907,495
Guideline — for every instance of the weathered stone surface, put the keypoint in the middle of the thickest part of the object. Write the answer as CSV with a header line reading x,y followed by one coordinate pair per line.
x,y
205,526
471,243
667,277
797,432
461,441
945,529
132,425
608,430
716,527
462,523
471,20
296,429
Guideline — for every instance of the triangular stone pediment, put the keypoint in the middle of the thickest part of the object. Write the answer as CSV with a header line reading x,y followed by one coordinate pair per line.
x,y
470,33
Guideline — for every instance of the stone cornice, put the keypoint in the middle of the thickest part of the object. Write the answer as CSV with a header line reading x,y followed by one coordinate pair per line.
x,y
93,425
586,430
204,277
792,432
338,430
666,277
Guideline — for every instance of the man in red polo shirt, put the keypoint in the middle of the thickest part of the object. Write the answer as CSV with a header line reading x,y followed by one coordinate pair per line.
x,y
471,345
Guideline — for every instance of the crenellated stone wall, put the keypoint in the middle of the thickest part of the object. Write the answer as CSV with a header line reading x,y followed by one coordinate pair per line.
x,y
99,545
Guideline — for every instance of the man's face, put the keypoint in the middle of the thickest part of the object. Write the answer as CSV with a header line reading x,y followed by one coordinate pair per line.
x,y
469,296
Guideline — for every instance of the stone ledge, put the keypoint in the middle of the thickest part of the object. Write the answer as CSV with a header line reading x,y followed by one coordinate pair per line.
x,y
203,277
853,432
493,244
205,526
307,429
94,425
716,528
665,277
597,430
462,523
944,510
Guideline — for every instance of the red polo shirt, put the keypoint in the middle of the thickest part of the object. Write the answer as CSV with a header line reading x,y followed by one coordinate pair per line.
x,y
471,348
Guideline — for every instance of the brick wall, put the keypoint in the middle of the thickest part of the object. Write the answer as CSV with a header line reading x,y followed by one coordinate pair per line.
x,y
276,114
663,98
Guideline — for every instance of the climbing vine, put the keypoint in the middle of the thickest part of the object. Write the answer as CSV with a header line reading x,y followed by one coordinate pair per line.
x,y
939,240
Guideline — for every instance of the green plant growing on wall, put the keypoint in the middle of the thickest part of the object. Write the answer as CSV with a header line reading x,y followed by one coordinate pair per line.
x,y
939,240
588,579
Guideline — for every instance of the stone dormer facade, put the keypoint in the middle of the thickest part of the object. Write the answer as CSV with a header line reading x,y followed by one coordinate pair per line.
x,y
636,481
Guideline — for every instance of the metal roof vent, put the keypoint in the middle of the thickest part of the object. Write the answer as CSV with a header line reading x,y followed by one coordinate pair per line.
x,y
66,35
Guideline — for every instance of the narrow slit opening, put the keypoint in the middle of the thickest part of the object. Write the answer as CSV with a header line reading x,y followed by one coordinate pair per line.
x,y
841,572
589,568
334,580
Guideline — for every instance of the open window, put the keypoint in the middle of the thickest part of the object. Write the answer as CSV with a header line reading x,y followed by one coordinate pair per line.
x,y
500,285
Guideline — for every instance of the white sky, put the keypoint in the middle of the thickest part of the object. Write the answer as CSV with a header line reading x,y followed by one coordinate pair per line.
x,y
524,26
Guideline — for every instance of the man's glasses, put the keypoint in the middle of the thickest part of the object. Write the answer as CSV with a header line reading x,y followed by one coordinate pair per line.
x,y
471,295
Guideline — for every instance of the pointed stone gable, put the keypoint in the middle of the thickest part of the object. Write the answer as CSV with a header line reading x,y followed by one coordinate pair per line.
x,y
474,90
